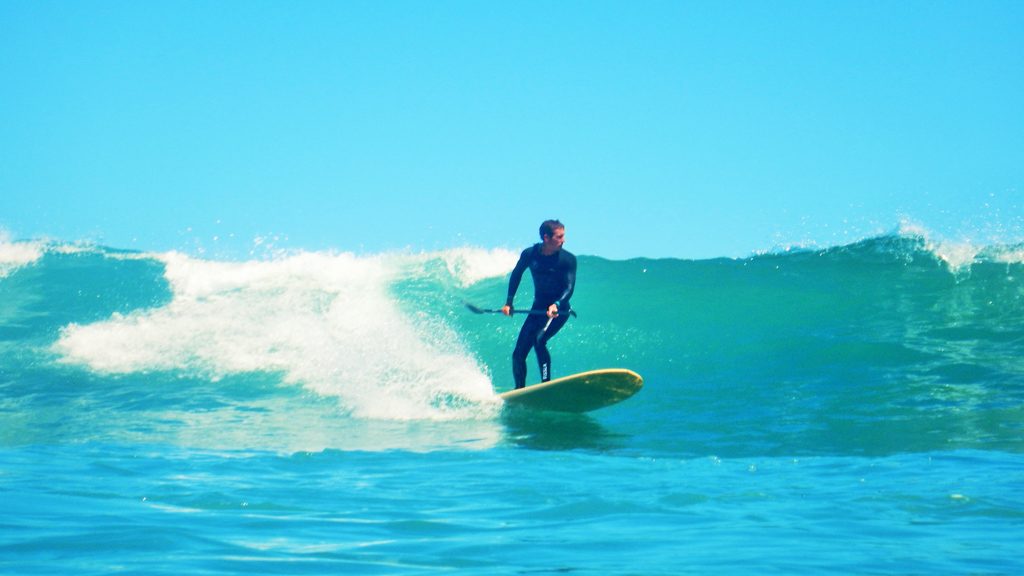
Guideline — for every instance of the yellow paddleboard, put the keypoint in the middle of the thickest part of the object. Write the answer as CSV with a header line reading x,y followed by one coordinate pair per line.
x,y
581,392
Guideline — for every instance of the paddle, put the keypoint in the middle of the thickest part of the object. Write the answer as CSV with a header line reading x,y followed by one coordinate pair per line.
x,y
479,310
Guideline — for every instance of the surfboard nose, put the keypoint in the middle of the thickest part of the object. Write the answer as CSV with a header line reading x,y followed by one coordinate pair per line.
x,y
581,392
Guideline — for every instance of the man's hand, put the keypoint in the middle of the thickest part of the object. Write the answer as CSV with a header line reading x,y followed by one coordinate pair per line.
x,y
506,310
552,311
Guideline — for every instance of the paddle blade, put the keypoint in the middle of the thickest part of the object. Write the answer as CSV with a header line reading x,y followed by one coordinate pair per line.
x,y
479,310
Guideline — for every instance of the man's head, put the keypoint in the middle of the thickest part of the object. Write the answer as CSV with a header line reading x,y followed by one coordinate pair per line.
x,y
552,233
548,227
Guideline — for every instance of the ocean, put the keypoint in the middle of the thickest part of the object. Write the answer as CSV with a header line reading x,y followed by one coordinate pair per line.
x,y
857,409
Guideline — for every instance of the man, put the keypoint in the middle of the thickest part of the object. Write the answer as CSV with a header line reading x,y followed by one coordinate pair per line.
x,y
554,278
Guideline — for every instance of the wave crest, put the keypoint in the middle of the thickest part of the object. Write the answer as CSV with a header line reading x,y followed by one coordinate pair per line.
x,y
910,243
326,321
15,255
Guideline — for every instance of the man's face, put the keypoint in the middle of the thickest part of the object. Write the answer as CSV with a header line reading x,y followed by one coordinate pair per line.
x,y
554,241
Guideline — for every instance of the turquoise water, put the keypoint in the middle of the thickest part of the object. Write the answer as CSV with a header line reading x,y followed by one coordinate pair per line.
x,y
858,409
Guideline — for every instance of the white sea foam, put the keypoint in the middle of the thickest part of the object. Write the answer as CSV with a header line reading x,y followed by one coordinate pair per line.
x,y
14,255
322,320
957,255
471,265
1011,255
960,254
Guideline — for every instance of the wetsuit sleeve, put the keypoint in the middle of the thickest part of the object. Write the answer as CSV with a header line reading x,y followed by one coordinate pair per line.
x,y
517,275
570,282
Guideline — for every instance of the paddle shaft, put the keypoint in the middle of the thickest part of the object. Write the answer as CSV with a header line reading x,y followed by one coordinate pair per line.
x,y
478,310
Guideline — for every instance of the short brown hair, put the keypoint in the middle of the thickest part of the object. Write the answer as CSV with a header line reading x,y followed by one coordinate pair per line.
x,y
549,226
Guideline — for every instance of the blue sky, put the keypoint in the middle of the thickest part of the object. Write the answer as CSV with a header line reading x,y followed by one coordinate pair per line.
x,y
683,129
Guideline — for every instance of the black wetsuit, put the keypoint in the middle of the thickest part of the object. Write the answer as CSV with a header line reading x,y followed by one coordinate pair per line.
x,y
554,279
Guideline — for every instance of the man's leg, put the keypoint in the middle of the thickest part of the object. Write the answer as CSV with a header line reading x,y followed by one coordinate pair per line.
x,y
528,335
547,332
